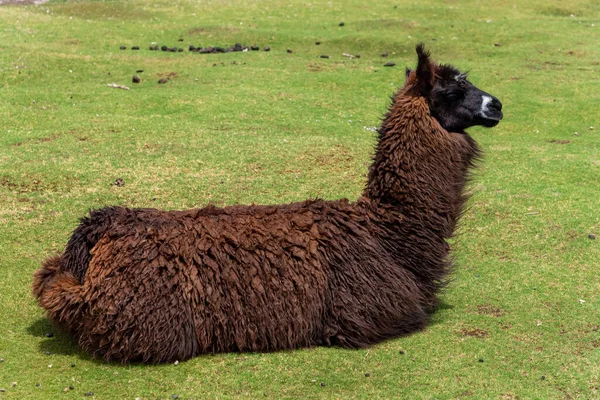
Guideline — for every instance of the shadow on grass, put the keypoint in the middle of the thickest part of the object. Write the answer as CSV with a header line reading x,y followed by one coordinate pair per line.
x,y
438,315
61,343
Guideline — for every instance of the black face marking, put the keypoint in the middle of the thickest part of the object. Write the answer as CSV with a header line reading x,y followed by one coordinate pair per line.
x,y
457,104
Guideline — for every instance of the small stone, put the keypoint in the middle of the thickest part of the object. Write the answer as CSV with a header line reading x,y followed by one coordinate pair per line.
x,y
254,48
119,182
323,384
317,43
481,360
49,365
342,24
2,390
164,48
135,48
176,361
49,334
136,79
289,51
324,56
384,54
163,80
47,353
367,375
175,396
267,48
1,360
389,64
592,236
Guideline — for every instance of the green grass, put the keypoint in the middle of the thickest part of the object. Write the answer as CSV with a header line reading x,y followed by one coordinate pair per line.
x,y
277,127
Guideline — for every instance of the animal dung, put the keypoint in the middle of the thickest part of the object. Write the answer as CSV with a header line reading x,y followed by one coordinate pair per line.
x,y
389,64
135,48
384,54
136,79
592,236
139,71
164,48
341,24
119,182
289,51
254,48
317,43
324,56
163,80
267,48
123,48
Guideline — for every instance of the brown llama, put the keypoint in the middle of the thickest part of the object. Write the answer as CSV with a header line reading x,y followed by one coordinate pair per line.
x,y
157,286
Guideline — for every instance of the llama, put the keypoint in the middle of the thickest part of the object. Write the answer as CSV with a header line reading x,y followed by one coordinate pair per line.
x,y
158,286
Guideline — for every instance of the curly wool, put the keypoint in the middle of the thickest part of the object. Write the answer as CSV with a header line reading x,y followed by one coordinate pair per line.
x,y
156,286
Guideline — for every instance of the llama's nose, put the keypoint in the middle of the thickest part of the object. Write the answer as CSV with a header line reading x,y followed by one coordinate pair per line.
x,y
496,104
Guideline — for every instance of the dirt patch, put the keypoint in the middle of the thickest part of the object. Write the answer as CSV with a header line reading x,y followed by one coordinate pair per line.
x,y
488,309
21,2
33,185
476,332
559,141
168,75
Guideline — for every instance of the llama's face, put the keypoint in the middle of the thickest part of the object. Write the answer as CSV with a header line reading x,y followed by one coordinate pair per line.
x,y
457,104
454,101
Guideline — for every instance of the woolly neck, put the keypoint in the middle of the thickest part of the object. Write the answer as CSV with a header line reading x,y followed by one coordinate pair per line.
x,y
419,168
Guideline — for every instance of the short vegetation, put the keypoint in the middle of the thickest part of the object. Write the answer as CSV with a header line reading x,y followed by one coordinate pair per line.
x,y
521,316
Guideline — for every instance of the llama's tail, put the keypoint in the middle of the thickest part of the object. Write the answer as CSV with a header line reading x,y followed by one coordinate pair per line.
x,y
59,292
58,285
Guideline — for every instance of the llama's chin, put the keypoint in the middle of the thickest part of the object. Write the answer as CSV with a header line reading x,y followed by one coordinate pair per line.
x,y
489,122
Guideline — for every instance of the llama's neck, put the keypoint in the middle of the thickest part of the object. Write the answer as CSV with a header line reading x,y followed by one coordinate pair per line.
x,y
419,168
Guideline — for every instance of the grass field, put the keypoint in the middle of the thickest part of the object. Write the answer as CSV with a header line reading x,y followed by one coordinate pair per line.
x,y
273,127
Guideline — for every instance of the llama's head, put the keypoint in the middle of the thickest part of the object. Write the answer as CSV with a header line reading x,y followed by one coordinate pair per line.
x,y
454,101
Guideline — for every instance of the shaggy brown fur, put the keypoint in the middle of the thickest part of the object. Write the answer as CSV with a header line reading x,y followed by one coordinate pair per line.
x,y
149,285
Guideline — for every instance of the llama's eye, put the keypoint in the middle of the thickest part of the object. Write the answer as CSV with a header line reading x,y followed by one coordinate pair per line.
x,y
453,96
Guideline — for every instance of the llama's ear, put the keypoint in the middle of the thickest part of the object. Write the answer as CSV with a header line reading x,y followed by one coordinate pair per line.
x,y
425,71
407,72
